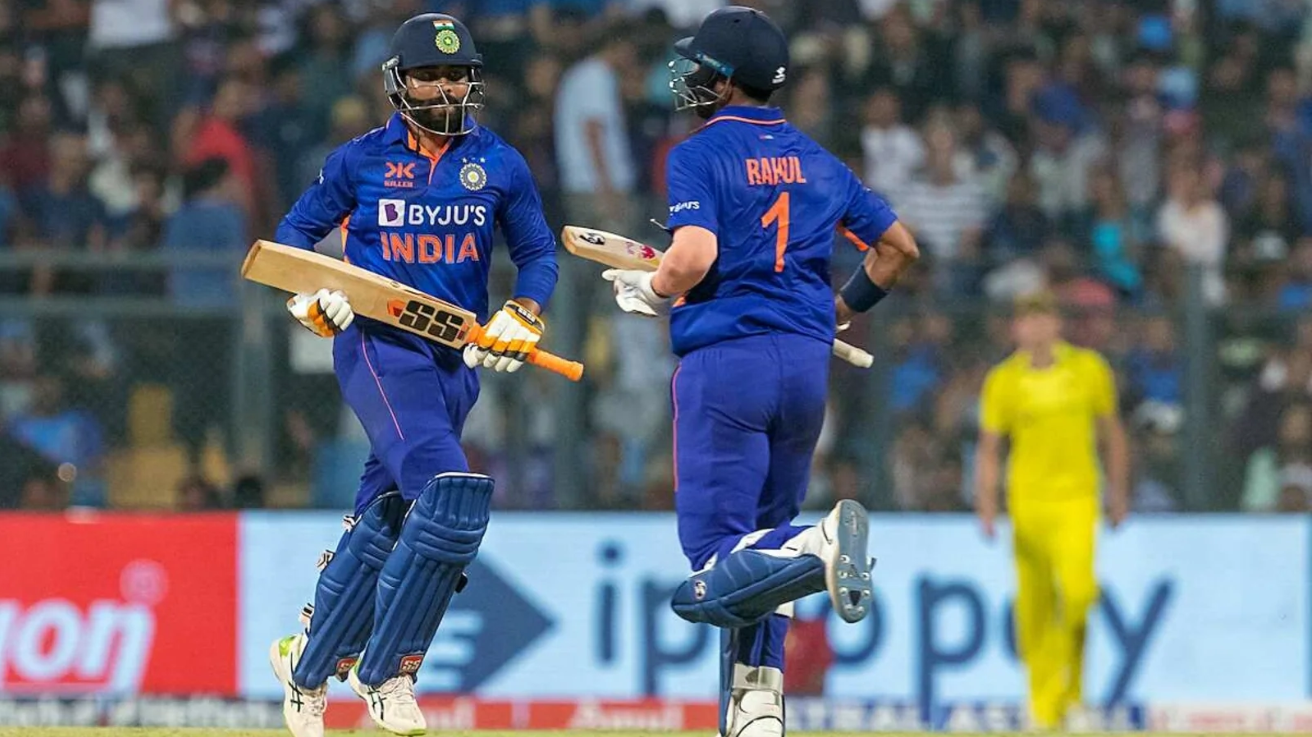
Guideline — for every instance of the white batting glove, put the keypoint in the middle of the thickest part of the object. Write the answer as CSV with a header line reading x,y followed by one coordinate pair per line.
x,y
633,292
507,339
323,313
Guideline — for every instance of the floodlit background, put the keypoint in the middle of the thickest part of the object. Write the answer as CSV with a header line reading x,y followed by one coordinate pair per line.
x,y
176,452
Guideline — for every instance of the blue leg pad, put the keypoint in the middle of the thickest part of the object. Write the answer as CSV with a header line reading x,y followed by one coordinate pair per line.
x,y
746,586
440,537
344,598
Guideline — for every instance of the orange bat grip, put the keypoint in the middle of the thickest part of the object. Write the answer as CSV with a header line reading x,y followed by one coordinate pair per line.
x,y
572,370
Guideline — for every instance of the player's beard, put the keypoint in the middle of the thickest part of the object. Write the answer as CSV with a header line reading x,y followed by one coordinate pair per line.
x,y
444,119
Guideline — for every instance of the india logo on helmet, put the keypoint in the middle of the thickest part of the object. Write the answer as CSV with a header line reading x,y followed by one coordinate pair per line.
x,y
447,40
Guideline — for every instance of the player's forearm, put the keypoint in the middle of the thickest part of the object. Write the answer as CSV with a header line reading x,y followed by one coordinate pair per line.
x,y
687,262
1116,459
891,256
535,282
986,474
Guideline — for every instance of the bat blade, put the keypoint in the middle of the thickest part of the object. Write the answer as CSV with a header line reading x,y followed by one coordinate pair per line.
x,y
610,249
374,296
619,252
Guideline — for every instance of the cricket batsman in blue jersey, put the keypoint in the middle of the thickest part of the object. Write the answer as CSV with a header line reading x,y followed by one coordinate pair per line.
x,y
754,206
417,201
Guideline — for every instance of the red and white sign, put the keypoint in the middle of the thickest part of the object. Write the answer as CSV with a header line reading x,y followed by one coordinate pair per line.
x,y
118,604
1231,718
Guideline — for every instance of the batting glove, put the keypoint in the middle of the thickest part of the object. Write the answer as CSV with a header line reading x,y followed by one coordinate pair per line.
x,y
323,313
633,292
507,339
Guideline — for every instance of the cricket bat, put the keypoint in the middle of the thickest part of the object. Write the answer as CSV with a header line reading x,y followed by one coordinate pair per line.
x,y
377,297
619,252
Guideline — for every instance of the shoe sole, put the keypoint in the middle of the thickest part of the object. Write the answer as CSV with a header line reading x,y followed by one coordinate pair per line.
x,y
848,574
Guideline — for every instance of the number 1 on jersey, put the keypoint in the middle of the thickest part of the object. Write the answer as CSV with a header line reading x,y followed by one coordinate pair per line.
x,y
778,213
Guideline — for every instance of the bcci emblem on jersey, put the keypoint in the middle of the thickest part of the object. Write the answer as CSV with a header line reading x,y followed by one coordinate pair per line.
x,y
447,40
473,176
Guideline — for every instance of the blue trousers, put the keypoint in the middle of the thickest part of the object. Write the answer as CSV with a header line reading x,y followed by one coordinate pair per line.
x,y
747,416
412,396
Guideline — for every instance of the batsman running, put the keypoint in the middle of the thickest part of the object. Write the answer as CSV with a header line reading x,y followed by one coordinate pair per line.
x,y
754,204
416,201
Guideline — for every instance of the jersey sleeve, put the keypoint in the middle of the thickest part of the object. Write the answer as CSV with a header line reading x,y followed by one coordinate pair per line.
x,y
1102,386
323,206
867,215
689,178
995,403
530,240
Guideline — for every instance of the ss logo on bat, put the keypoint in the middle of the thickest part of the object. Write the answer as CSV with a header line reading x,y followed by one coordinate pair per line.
x,y
442,324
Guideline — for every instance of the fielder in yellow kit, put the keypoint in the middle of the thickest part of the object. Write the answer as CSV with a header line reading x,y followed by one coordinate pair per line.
x,y
1057,405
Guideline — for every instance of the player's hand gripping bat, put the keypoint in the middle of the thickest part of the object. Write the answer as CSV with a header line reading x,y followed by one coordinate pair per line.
x,y
619,252
375,296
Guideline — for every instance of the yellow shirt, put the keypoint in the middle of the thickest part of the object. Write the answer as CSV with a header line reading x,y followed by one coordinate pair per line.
x,y
1050,415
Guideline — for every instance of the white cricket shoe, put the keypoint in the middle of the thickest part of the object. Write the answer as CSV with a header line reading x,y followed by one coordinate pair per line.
x,y
847,562
302,708
841,540
391,705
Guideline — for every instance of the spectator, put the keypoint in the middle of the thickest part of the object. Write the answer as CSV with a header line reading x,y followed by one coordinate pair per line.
x,y
1020,228
1296,294
946,211
1287,463
1111,233
596,166
902,62
25,157
64,214
195,494
985,154
137,40
67,437
217,134
209,223
325,66
1191,223
892,149
1156,427
1066,151
1155,368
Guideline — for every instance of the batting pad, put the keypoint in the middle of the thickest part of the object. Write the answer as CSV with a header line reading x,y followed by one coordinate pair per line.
x,y
439,538
746,586
344,597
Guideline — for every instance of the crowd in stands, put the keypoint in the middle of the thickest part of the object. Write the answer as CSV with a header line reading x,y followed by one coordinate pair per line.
x,y
1142,158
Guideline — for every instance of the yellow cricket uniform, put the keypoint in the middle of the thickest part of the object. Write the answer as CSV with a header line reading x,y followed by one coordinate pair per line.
x,y
1050,416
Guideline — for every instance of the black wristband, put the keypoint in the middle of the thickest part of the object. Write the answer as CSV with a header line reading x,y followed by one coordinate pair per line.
x,y
860,293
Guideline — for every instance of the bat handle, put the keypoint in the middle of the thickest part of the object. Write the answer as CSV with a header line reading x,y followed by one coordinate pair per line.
x,y
853,355
572,370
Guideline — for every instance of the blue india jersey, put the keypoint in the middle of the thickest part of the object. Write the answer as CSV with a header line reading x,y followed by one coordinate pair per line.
x,y
427,218
774,198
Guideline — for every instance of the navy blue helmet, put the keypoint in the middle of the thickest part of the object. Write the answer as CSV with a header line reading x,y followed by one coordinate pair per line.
x,y
735,43
435,54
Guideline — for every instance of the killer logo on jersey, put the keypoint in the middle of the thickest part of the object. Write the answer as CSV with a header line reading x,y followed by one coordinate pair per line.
x,y
473,176
447,40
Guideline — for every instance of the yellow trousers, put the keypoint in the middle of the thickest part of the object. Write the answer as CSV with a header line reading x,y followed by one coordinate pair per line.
x,y
1054,542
